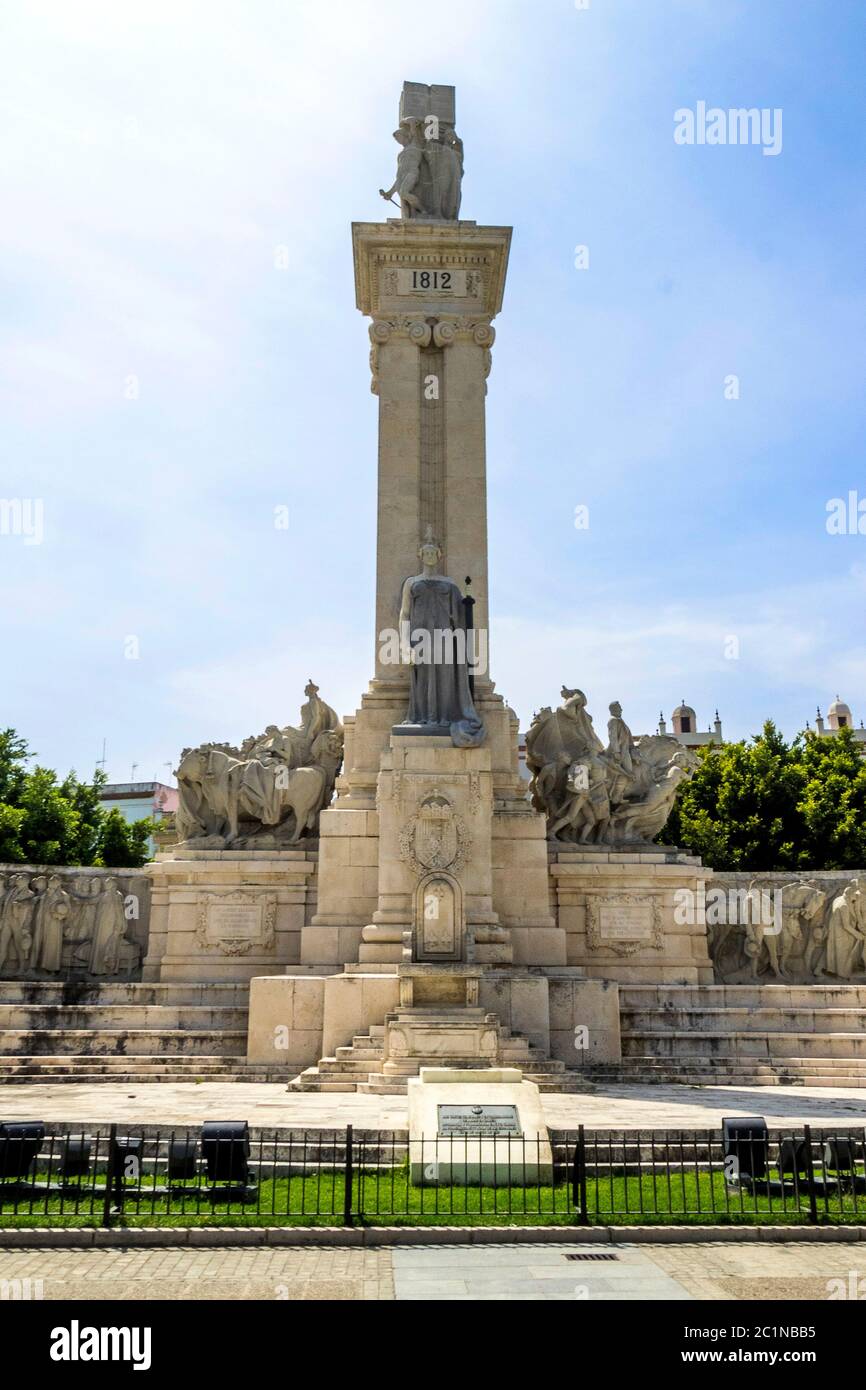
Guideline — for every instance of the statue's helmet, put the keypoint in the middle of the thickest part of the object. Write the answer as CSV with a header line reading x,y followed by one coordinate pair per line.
x,y
429,547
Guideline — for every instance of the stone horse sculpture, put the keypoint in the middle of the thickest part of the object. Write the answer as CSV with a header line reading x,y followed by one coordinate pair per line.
x,y
592,793
275,785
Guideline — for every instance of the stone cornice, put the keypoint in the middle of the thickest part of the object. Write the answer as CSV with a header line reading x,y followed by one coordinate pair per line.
x,y
383,247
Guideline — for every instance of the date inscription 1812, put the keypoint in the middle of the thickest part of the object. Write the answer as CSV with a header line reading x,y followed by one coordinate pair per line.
x,y
418,281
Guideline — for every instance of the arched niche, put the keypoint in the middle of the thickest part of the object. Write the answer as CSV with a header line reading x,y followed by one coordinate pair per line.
x,y
439,924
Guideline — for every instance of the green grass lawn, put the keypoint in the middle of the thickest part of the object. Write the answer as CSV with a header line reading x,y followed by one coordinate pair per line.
x,y
387,1197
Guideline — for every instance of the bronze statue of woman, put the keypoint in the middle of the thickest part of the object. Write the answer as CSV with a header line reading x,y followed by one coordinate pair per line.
x,y
434,641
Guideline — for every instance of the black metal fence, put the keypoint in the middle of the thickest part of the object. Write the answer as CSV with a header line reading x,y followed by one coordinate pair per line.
x,y
224,1174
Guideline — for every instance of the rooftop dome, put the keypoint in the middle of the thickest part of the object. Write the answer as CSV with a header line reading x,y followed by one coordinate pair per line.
x,y
839,707
684,719
683,709
839,715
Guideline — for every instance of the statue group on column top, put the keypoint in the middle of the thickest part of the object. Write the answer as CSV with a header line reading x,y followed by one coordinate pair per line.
x,y
53,924
430,164
621,793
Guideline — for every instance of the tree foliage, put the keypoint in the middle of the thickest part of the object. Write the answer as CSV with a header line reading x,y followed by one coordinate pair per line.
x,y
45,821
767,804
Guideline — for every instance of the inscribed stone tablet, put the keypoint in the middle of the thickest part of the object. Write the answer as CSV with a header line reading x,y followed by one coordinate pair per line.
x,y
484,1120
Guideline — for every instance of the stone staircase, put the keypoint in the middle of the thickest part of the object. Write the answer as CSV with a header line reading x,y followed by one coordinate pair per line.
x,y
731,1035
130,1033
357,1067
741,1035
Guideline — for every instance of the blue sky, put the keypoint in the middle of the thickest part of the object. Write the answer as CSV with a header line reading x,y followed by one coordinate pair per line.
x,y
154,159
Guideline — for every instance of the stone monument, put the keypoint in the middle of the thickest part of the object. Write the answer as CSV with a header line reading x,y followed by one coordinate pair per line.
x,y
434,912
431,914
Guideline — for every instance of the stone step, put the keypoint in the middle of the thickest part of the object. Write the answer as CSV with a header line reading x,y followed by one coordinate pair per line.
x,y
347,1065
122,1042
735,1079
117,1064
732,1070
383,1086
371,1052
716,1059
744,1045
46,992
159,1017
313,1080
570,1084
725,1020
77,1078
743,996
85,1070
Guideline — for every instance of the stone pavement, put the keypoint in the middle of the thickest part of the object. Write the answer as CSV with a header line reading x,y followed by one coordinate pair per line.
x,y
271,1105
781,1271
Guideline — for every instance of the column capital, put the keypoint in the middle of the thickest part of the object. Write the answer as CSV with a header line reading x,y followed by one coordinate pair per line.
x,y
441,331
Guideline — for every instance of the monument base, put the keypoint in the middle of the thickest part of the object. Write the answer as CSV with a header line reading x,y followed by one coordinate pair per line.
x,y
227,915
633,915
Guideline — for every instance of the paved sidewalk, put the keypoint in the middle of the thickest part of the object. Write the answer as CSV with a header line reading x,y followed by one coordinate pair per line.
x,y
271,1105
183,1275
444,1273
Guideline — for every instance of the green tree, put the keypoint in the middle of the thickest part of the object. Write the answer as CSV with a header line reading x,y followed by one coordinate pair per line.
x,y
44,821
10,827
833,801
123,844
84,797
49,829
768,804
13,757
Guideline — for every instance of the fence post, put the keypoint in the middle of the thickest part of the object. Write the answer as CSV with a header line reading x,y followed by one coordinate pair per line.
x,y
347,1179
109,1175
578,1178
810,1175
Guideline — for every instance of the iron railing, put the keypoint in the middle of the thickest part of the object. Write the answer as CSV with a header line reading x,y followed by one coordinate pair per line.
x,y
65,1175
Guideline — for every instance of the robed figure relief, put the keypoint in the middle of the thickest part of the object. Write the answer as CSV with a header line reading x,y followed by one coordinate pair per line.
x,y
52,913
435,644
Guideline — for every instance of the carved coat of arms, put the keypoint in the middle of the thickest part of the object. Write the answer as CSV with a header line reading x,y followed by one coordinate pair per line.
x,y
434,838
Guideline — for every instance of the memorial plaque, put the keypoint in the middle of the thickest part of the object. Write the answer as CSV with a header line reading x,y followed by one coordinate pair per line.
x,y
234,923
486,1121
626,922
235,920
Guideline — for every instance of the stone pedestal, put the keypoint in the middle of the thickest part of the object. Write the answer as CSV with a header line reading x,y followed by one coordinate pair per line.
x,y
226,915
621,914
435,899
454,1037
477,1127
439,1021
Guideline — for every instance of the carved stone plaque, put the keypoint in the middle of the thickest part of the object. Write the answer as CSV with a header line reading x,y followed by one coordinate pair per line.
x,y
484,1120
625,922
235,922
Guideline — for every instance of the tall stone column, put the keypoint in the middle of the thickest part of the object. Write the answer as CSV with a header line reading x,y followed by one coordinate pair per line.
x,y
431,290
